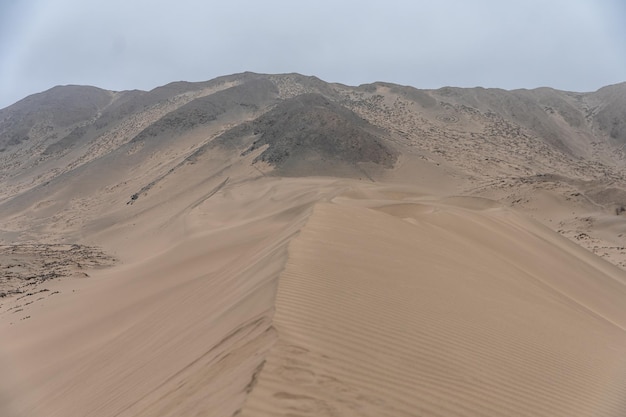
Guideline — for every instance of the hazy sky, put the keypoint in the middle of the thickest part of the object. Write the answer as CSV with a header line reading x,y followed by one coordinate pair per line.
x,y
577,45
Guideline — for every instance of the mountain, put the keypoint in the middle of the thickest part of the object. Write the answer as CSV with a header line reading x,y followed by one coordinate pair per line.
x,y
279,245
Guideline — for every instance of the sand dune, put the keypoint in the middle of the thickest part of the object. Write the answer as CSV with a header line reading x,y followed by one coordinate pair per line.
x,y
233,248
392,301
180,332
440,310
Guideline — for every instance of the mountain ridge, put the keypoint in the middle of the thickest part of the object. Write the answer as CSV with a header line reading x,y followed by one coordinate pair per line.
x,y
481,135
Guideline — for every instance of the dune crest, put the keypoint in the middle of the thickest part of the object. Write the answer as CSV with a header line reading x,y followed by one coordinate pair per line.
x,y
439,317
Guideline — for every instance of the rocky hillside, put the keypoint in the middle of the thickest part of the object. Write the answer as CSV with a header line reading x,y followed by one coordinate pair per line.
x,y
71,146
495,131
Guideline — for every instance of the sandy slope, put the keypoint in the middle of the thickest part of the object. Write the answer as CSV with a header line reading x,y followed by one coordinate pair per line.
x,y
189,327
442,309
392,301
178,332
389,299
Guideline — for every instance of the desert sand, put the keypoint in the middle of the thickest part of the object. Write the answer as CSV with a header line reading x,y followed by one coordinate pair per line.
x,y
387,302
194,274
441,310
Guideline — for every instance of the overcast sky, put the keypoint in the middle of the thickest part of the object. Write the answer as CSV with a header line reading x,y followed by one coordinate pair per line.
x,y
576,45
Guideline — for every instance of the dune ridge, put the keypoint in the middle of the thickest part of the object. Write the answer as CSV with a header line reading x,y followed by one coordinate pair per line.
x,y
332,297
415,314
180,332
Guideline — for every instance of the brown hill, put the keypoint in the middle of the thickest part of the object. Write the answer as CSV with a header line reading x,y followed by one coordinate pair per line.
x,y
47,112
310,134
607,109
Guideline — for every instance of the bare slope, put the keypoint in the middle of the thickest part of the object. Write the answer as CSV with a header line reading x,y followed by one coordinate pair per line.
x,y
47,112
524,148
311,134
391,301
182,329
438,309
